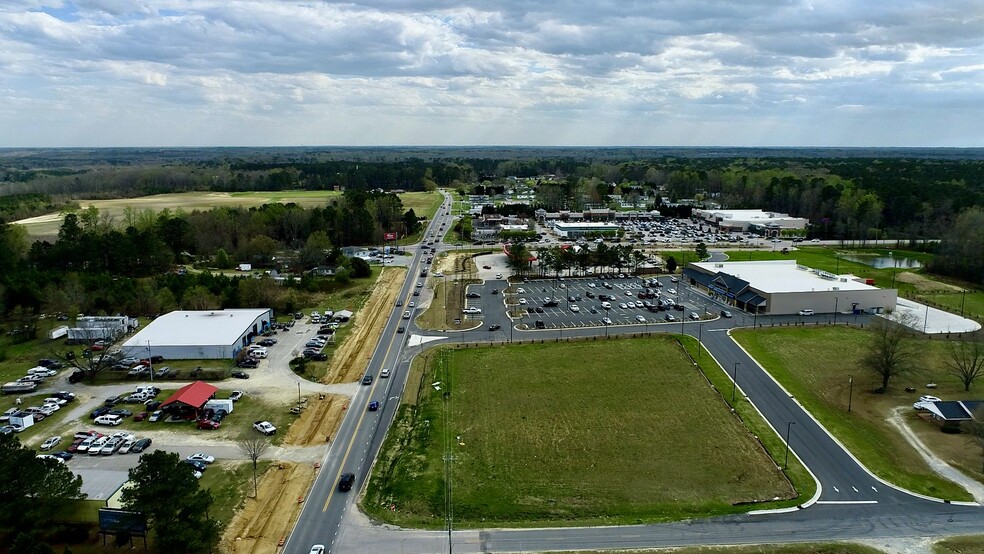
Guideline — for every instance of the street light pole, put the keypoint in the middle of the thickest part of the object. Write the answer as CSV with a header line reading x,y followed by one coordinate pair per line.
x,y
785,462
150,362
836,299
734,382
607,324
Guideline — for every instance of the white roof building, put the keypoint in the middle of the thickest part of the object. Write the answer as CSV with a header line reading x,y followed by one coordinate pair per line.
x,y
785,287
205,334
742,220
582,228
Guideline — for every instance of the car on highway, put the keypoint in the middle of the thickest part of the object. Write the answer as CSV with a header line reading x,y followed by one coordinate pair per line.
x,y
367,379
374,405
346,481
401,329
406,314
317,549
384,373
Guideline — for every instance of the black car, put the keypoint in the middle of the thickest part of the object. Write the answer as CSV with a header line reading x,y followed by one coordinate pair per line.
x,y
200,466
726,314
240,374
473,295
540,324
140,445
63,454
346,482
76,377
495,327
121,412
249,363
401,329
367,380
152,405
319,357
65,395
416,293
114,400
495,291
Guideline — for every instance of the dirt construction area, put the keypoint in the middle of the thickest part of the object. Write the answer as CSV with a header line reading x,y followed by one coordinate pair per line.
x,y
262,522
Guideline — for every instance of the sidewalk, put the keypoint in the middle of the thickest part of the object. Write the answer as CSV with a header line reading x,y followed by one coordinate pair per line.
x,y
932,321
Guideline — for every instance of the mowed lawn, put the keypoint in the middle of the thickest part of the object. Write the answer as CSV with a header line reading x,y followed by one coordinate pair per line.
x,y
570,433
816,365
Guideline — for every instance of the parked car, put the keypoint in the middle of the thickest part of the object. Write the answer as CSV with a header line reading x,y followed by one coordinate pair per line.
x,y
50,443
127,445
208,424
64,455
140,445
108,419
162,372
806,311
249,363
156,415
201,457
264,427
240,374
199,466
140,416
121,412
236,395
98,412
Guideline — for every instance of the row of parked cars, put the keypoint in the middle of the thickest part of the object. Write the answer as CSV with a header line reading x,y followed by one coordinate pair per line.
x,y
17,419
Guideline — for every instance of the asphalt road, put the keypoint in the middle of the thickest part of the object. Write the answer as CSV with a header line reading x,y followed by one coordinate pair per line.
x,y
851,503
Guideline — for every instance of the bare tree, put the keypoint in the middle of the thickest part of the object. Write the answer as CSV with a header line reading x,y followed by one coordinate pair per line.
x,y
892,350
966,360
90,362
254,446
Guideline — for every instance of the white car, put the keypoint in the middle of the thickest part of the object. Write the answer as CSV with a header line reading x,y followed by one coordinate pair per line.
x,y
236,395
806,311
631,305
107,420
671,291
624,306
472,311
640,319
575,308
592,285
317,549
606,321
628,293
50,443
384,373
928,398
201,457
127,445
521,290
815,240
264,427
412,304
522,301
49,457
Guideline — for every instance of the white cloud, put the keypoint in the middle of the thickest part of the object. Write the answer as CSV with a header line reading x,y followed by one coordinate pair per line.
x,y
781,72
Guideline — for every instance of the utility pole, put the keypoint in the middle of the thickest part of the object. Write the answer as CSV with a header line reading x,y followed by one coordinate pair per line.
x,y
850,392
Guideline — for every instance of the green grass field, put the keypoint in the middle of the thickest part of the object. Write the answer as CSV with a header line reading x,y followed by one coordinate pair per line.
x,y
635,435
425,204
822,385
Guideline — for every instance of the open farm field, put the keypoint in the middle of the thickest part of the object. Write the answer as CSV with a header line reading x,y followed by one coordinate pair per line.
x,y
572,433
823,385
46,226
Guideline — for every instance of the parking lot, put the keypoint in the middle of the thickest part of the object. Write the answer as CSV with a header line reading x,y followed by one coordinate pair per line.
x,y
579,302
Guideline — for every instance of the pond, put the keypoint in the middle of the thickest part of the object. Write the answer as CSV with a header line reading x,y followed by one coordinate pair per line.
x,y
883,262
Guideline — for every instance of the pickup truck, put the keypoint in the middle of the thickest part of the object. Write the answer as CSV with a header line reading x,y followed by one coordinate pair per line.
x,y
264,427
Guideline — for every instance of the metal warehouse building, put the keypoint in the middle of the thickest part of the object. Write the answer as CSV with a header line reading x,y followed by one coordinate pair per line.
x,y
785,287
207,334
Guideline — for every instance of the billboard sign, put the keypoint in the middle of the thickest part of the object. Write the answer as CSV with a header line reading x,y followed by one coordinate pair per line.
x,y
390,236
122,521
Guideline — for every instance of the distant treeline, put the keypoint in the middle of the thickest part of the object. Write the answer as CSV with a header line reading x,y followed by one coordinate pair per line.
x,y
910,194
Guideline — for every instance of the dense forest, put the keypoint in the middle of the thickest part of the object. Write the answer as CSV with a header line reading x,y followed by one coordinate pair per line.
x,y
96,265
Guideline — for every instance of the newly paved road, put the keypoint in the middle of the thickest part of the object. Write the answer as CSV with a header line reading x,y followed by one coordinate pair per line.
x,y
852,504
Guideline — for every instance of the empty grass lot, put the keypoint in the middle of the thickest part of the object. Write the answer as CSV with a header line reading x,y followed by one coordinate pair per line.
x,y
816,364
572,433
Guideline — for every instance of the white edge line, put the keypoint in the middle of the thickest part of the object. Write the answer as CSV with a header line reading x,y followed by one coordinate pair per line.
x,y
844,448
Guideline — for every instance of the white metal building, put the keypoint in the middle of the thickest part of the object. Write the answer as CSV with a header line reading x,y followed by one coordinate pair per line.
x,y
785,287
91,328
743,220
580,229
199,335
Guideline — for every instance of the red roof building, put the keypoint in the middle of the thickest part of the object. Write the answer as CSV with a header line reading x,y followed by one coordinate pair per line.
x,y
194,395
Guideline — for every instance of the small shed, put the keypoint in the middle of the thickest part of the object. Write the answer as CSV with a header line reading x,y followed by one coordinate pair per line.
x,y
342,315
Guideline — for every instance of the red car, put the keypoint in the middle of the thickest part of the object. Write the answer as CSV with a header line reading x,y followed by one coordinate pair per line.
x,y
208,424
141,416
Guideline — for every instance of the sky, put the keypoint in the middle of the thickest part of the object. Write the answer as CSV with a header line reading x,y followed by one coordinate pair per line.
x,y
853,73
